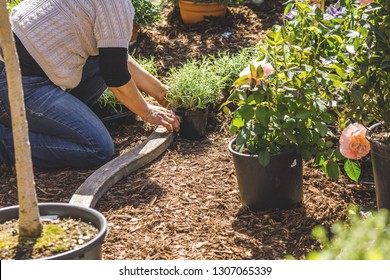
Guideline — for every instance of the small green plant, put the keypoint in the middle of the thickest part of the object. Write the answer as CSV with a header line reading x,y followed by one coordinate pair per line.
x,y
148,64
147,12
107,99
193,85
228,66
362,238
12,3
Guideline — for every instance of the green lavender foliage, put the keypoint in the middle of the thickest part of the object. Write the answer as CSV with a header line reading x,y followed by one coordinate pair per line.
x,y
193,85
228,65
13,3
361,238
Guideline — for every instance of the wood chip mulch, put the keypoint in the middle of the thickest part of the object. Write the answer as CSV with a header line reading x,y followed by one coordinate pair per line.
x,y
186,205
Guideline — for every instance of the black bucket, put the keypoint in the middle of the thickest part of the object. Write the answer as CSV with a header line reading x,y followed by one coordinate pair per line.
x,y
278,185
380,158
193,124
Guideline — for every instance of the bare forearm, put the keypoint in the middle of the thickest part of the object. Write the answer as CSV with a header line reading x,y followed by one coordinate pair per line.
x,y
130,96
146,82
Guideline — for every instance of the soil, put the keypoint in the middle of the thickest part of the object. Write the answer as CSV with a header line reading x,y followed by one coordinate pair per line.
x,y
58,236
186,203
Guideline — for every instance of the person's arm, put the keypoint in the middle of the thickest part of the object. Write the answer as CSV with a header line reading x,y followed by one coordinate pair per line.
x,y
114,66
130,96
147,83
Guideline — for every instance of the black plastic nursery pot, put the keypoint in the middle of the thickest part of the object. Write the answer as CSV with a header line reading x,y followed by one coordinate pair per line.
x,y
380,159
278,185
193,123
88,251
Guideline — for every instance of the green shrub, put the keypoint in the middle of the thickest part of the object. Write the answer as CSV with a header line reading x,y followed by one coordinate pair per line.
x,y
108,99
193,85
228,66
148,64
364,66
198,83
12,3
362,238
147,12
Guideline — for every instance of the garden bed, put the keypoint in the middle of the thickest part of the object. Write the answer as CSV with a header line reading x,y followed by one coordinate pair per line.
x,y
185,204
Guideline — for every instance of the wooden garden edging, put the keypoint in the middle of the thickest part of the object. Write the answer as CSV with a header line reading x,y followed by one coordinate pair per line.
x,y
96,185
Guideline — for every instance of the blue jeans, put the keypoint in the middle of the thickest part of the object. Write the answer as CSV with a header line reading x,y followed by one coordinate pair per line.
x,y
63,131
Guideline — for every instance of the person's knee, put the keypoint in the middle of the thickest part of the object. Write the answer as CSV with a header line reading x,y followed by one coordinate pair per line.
x,y
104,152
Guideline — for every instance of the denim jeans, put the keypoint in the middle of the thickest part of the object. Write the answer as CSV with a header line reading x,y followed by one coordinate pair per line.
x,y
63,131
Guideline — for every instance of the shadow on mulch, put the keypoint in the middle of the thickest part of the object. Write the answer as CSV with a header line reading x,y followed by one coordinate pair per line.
x,y
276,232
186,204
132,195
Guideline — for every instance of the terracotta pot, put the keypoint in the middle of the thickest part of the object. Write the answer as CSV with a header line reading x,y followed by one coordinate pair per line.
x,y
194,12
278,185
380,158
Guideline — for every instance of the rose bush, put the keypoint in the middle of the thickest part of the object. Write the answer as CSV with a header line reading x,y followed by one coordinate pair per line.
x,y
280,102
362,68
303,103
267,70
361,76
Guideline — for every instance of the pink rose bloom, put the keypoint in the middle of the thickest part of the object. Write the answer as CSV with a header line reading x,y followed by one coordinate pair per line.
x,y
353,142
364,2
267,69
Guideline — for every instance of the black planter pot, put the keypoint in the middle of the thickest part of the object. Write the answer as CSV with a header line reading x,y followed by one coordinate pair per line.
x,y
380,158
193,123
278,185
90,250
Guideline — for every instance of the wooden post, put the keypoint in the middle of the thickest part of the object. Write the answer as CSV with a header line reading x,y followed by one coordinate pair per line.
x,y
29,218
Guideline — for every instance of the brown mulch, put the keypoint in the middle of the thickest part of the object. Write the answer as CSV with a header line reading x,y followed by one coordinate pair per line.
x,y
186,204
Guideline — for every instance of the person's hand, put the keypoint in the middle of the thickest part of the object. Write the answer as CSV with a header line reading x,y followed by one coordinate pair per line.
x,y
162,116
160,97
